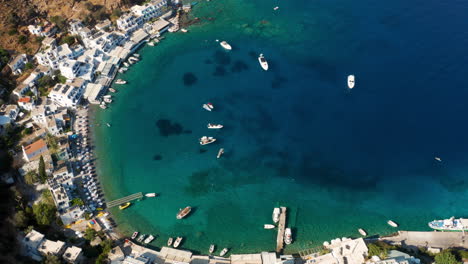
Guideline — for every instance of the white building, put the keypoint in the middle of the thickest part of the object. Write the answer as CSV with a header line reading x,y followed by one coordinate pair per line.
x,y
68,94
44,31
73,255
17,63
343,251
54,55
26,103
30,82
31,243
61,185
72,69
8,114
129,22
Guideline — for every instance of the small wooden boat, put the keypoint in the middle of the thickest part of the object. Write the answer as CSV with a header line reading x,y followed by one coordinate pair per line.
x,y
392,224
177,242
220,152
184,212
169,241
223,252
212,248
362,232
135,234
112,90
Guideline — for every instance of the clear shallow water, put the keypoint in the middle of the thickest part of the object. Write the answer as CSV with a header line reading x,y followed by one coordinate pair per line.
x,y
294,135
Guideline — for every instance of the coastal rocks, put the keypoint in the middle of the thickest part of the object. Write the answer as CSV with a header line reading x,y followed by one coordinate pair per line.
x,y
189,79
167,128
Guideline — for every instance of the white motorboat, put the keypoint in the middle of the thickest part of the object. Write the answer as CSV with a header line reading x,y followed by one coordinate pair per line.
x,y
141,237
362,232
225,45
103,106
207,140
112,90
134,59
184,30
177,242
223,252
287,236
208,106
276,8
107,96
107,100
126,64
268,226
276,214
438,159
135,234
108,125
212,248
151,43
149,239
169,241
392,224
451,224
136,55
214,126
351,81
263,62
151,195
220,152
120,81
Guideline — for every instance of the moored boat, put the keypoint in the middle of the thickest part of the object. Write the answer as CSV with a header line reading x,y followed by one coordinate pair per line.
x,y
362,232
276,214
212,249
177,242
184,212
207,140
124,206
169,241
141,237
214,126
126,64
135,234
149,239
225,45
103,106
220,152
108,125
351,81
287,236
107,96
451,224
392,224
120,81
107,100
223,252
150,43
112,90
263,62
184,30
151,194
268,226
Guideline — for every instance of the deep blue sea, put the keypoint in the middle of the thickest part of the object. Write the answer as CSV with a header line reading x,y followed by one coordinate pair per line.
x,y
294,135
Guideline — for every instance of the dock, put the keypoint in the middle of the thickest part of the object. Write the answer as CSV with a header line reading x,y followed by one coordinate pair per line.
x,y
428,239
125,199
281,227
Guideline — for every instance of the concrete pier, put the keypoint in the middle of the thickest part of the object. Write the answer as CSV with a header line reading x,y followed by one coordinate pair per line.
x,y
428,239
281,227
123,200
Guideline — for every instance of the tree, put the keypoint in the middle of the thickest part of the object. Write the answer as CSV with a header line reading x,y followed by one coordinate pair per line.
x,y
59,21
28,66
21,219
4,57
375,250
446,257
51,259
77,201
22,39
70,40
44,213
31,178
42,171
90,234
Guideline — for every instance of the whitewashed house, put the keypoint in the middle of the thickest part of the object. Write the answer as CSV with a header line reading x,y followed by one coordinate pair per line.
x,y
17,63
72,69
68,94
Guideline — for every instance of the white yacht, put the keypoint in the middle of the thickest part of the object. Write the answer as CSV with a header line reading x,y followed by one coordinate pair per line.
x,y
135,234
212,248
392,224
268,226
207,140
351,81
438,159
136,55
263,62
451,224
276,214
149,239
287,236
208,106
177,242
362,232
214,126
183,30
225,45
223,252
120,81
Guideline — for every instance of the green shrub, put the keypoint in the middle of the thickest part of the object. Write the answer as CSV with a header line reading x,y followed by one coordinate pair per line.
x,y
446,257
22,39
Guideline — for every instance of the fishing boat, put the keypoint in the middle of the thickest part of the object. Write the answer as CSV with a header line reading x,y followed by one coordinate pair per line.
x,y
263,62
362,232
225,45
177,242
108,125
135,234
223,252
220,152
287,236
126,64
134,59
107,96
151,195
141,237
207,140
149,239
103,106
208,106
450,224
120,81
268,226
169,241
184,212
276,214
392,224
276,8
351,81
107,100
184,30
112,90
124,206
214,126
151,43
212,248
438,159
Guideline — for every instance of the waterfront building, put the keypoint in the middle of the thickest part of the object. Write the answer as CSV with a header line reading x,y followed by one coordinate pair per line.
x,y
34,151
93,92
136,260
55,54
140,14
129,22
395,257
68,94
17,63
342,251
73,255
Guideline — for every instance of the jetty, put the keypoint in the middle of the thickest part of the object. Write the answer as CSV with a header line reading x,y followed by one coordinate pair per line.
x,y
281,227
125,199
428,239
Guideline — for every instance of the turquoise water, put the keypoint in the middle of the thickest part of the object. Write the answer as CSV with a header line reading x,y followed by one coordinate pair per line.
x,y
295,135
